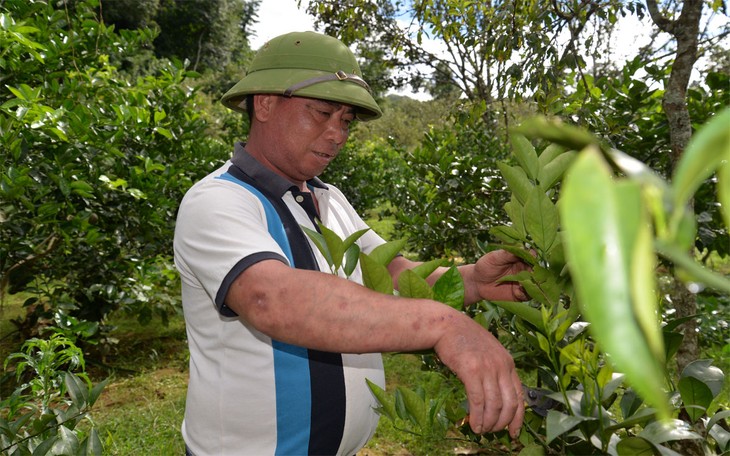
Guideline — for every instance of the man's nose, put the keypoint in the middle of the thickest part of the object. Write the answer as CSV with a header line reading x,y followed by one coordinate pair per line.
x,y
337,130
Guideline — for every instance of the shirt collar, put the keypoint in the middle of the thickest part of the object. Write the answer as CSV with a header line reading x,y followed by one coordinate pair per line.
x,y
266,178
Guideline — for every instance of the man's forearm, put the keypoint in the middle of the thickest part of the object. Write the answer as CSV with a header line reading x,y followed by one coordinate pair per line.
x,y
328,313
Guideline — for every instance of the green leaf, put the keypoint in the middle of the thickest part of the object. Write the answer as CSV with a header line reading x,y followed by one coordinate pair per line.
x,y
335,246
549,154
164,132
415,407
603,226
524,311
411,285
525,154
659,432
689,266
506,234
375,275
96,391
449,289
515,211
638,419
723,189
541,219
387,405
696,397
82,188
92,444
553,171
636,446
555,131
717,417
384,253
76,389
517,181
630,403
559,423
321,243
352,255
704,153
425,269
704,371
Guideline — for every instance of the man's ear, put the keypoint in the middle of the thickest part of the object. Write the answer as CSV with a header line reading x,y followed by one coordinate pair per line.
x,y
264,106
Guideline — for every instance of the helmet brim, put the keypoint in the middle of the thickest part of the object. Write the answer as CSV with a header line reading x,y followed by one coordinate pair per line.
x,y
271,81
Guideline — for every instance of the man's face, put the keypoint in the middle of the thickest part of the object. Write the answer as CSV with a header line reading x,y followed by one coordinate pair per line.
x,y
303,135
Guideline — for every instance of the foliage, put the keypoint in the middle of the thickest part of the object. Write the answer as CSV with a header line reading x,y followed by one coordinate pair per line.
x,y
42,415
452,190
210,34
95,163
489,49
593,335
368,172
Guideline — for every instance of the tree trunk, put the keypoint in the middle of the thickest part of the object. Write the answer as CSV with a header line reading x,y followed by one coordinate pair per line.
x,y
685,30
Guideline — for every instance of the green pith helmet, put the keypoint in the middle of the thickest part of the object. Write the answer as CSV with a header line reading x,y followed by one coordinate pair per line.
x,y
306,64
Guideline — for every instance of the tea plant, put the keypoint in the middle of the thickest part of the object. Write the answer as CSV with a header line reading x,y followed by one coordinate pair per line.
x,y
53,396
591,221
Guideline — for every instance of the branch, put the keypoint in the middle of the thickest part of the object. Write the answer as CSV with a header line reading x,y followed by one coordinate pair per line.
x,y
662,22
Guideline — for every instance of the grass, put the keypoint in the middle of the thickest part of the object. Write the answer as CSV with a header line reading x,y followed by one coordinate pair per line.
x,y
141,409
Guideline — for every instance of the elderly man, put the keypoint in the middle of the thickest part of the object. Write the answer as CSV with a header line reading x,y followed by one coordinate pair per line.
x,y
279,351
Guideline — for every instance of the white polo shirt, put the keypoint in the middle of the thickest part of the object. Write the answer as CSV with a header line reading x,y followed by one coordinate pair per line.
x,y
249,394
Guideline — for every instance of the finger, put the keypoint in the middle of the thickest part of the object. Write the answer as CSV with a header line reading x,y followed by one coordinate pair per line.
x,y
509,400
493,404
476,410
516,424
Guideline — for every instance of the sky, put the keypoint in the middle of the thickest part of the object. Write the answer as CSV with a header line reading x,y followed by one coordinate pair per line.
x,y
276,17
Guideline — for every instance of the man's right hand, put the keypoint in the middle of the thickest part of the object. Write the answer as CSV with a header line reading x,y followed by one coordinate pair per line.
x,y
487,370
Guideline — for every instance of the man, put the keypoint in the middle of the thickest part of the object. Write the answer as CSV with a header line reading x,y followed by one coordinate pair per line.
x,y
279,351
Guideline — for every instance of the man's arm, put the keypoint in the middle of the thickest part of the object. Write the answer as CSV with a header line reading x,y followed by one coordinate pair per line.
x,y
325,312
481,279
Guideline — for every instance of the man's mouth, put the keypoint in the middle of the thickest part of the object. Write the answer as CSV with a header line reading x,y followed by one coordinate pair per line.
x,y
325,156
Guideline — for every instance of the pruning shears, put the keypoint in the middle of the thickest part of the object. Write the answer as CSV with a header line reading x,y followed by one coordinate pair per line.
x,y
539,400
536,399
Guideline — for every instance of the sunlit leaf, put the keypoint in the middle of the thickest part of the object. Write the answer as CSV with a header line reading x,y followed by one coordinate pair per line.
x,y
541,219
705,151
517,181
598,223
411,285
375,275
387,405
384,253
415,407
525,154
427,268
549,154
554,170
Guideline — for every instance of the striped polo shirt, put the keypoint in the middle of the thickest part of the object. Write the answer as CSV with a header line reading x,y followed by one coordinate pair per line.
x,y
249,394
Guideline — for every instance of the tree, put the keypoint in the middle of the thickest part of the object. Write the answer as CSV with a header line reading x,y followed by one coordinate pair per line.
x,y
94,165
207,33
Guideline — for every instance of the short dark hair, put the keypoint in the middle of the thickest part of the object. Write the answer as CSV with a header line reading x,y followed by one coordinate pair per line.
x,y
249,107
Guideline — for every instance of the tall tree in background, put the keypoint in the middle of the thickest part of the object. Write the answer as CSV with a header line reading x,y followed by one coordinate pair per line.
x,y
684,27
207,33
